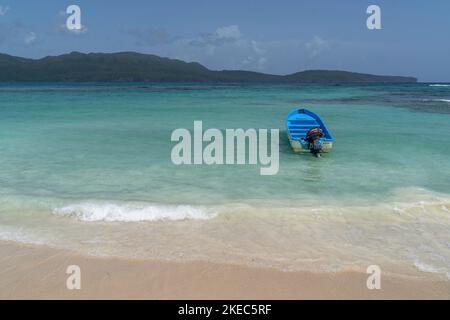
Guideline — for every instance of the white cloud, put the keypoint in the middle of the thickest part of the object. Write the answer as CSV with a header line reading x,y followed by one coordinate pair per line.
x,y
316,47
230,32
3,10
257,47
222,36
261,62
225,48
30,37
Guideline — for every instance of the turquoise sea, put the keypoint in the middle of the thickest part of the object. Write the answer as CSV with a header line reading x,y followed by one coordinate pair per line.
x,y
87,167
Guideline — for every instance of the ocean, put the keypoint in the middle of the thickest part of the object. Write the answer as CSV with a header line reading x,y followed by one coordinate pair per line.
x,y
87,167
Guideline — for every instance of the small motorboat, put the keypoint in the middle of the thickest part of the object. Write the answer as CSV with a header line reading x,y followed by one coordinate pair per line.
x,y
307,132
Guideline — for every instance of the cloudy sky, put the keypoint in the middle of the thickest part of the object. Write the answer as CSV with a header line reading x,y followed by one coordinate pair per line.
x,y
280,37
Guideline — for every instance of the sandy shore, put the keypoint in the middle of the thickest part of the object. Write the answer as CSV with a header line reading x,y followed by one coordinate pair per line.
x,y
33,272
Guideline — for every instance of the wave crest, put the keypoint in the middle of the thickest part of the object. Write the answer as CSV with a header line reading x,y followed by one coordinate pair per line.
x,y
132,212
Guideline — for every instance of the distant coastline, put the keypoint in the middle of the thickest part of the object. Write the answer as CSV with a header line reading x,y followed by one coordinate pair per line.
x,y
137,67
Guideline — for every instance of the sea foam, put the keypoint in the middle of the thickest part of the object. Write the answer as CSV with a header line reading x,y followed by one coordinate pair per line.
x,y
90,211
430,269
439,85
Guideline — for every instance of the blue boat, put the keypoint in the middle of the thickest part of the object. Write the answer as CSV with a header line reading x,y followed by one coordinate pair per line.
x,y
298,123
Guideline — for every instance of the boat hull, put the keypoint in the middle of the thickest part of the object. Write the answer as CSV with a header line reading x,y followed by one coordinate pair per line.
x,y
298,124
298,148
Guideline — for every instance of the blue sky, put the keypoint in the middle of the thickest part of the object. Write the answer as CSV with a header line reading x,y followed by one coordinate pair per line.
x,y
269,36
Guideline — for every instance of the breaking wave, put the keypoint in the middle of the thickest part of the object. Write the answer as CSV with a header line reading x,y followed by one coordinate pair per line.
x,y
132,212
428,268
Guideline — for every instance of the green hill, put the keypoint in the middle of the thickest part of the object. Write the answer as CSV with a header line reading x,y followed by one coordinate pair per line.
x,y
136,67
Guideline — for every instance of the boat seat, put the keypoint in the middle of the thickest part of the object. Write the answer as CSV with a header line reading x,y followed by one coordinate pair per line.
x,y
299,128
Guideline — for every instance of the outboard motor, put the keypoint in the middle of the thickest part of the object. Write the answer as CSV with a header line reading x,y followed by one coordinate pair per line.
x,y
313,137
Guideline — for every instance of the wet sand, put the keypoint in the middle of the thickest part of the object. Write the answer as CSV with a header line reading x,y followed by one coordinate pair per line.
x,y
35,272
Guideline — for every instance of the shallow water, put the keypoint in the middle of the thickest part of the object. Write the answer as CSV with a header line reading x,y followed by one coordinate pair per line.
x,y
88,167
